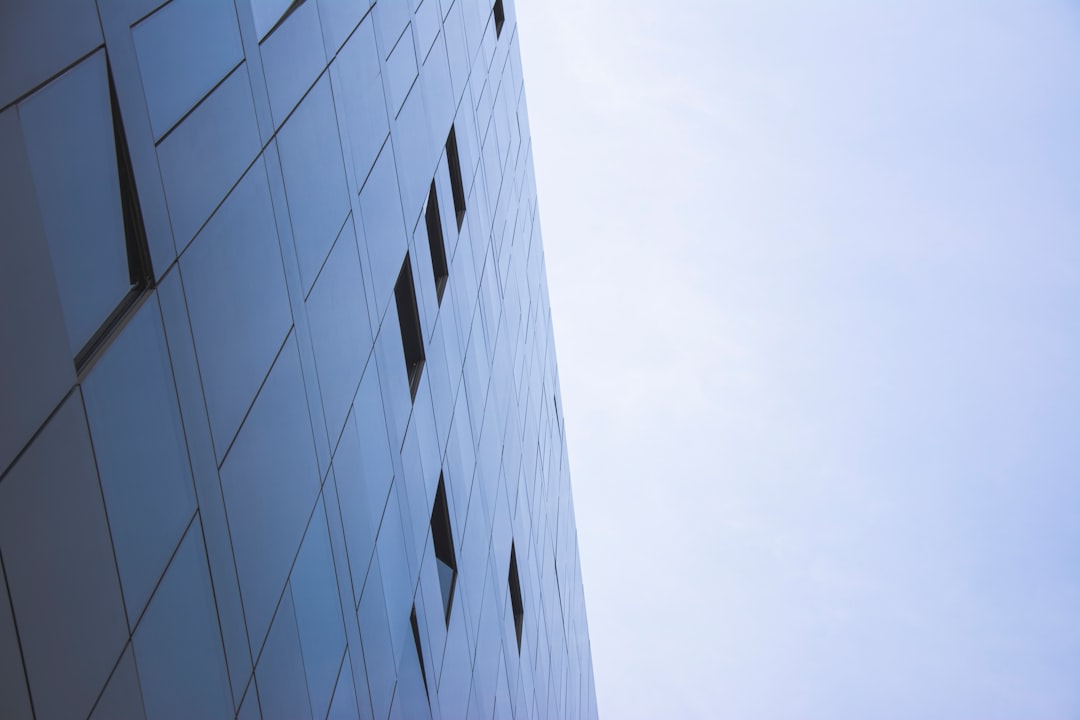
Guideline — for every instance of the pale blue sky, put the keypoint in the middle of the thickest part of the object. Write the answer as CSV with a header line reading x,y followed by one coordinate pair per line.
x,y
815,279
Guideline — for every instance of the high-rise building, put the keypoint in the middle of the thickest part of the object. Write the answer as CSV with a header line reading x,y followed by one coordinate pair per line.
x,y
281,425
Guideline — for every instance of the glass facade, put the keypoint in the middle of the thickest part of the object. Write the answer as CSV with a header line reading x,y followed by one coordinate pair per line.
x,y
277,382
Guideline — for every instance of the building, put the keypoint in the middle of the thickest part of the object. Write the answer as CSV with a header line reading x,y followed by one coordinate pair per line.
x,y
281,426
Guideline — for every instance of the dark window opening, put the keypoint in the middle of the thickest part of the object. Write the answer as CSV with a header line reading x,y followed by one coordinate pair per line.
x,y
500,17
456,183
515,595
409,319
443,540
140,269
435,242
419,649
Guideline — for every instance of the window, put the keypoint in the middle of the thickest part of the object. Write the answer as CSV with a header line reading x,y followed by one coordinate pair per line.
x,y
443,539
87,201
500,17
419,648
435,242
515,595
140,271
409,319
456,183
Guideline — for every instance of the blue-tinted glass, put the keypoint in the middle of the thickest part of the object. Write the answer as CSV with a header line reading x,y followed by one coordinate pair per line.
x,y
439,96
393,377
184,49
430,600
456,677
14,699
343,706
296,298
376,462
122,697
340,334
138,441
280,672
410,696
426,24
416,502
206,154
358,92
362,496
397,583
400,71
292,57
456,48
60,569
440,385
207,484
390,21
270,481
75,176
238,302
267,13
375,635
290,242
178,643
318,612
446,581
338,21
35,367
34,46
416,154
423,422
502,697
488,646
249,707
314,172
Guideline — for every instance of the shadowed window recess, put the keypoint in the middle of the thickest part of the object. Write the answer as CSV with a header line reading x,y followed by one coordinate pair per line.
x,y
500,17
419,647
443,540
515,595
456,183
140,271
435,241
409,319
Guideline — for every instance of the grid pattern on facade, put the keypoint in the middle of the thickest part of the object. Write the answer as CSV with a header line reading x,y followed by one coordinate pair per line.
x,y
221,463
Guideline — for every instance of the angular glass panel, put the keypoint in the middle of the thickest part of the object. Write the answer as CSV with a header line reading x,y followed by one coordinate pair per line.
x,y
178,642
184,49
35,365
61,574
318,612
280,672
74,166
270,481
292,57
238,302
34,44
134,418
314,171
205,155
122,697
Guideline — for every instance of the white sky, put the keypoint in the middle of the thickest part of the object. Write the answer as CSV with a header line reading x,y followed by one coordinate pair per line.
x,y
815,277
